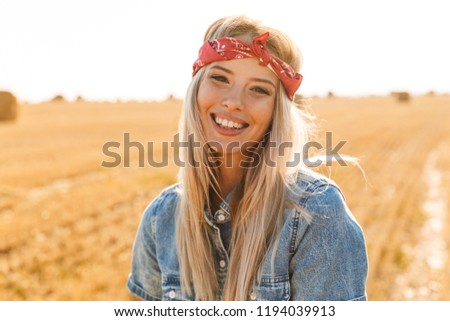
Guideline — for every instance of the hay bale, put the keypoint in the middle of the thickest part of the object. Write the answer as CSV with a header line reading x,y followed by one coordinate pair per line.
x,y
401,96
8,106
58,98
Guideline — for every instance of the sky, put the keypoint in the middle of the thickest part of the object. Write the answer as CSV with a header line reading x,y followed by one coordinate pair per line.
x,y
144,50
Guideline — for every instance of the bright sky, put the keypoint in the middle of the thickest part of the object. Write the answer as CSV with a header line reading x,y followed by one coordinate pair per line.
x,y
110,49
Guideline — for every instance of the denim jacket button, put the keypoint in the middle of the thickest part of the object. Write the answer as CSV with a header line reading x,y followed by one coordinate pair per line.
x,y
221,217
172,294
222,263
253,296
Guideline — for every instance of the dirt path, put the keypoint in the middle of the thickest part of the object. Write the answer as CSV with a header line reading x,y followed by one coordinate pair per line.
x,y
423,278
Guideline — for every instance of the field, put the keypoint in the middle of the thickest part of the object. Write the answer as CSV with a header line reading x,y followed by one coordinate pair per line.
x,y
67,223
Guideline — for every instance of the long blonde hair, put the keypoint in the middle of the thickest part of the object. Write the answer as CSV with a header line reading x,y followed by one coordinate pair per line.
x,y
256,221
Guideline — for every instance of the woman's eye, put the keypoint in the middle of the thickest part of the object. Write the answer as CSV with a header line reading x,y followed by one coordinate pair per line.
x,y
261,90
220,78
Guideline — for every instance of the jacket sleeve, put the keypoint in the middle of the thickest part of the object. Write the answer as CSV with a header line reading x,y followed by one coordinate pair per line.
x,y
330,258
144,280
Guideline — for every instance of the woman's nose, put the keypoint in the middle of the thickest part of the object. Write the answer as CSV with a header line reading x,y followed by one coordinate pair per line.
x,y
234,98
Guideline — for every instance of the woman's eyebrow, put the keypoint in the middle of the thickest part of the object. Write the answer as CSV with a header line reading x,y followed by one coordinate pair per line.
x,y
221,68
253,79
265,81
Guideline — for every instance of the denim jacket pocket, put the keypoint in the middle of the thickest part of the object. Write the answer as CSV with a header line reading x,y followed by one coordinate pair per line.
x,y
171,290
272,289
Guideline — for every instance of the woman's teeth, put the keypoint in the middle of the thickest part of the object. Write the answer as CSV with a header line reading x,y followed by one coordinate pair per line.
x,y
228,123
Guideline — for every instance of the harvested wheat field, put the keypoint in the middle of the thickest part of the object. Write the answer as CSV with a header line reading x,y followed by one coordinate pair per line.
x,y
67,223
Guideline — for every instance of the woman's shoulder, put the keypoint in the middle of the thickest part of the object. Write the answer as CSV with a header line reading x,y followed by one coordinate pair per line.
x,y
320,198
165,202
308,184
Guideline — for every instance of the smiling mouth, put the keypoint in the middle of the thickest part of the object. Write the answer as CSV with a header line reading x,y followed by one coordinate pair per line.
x,y
229,124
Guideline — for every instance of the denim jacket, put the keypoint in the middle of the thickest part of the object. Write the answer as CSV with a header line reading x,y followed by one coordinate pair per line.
x,y
324,259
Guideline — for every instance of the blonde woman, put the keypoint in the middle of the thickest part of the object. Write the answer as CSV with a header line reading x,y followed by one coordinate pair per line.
x,y
246,220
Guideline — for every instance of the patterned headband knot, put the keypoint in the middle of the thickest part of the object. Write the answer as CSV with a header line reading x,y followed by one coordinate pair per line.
x,y
260,50
231,48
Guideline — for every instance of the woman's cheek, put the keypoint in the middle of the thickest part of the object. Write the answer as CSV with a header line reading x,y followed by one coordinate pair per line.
x,y
205,95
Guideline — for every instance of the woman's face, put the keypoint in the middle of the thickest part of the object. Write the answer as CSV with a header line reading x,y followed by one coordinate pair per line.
x,y
236,99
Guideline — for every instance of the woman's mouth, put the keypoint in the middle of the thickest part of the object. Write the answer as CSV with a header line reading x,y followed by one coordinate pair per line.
x,y
228,123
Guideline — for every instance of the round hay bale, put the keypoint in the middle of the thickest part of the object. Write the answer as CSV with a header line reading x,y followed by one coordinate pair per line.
x,y
58,98
8,106
401,96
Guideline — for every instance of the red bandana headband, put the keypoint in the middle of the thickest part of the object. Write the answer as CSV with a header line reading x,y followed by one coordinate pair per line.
x,y
232,48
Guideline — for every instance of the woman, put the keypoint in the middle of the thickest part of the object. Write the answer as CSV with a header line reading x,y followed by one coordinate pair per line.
x,y
246,221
